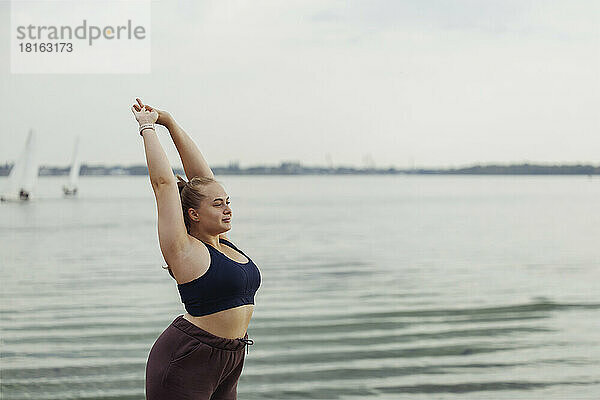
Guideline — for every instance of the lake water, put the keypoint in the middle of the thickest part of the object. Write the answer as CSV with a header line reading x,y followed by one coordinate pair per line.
x,y
373,287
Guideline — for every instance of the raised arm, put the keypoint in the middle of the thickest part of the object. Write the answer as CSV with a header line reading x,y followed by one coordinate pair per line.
x,y
172,233
193,162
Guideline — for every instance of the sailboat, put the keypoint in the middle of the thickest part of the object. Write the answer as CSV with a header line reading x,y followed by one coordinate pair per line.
x,y
24,173
71,188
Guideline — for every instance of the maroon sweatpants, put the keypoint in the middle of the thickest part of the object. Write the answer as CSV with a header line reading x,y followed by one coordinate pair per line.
x,y
187,362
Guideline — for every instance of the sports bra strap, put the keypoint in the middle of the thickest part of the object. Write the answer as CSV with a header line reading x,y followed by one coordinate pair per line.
x,y
228,243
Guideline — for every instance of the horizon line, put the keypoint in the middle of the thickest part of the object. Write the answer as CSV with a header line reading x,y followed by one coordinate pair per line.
x,y
299,163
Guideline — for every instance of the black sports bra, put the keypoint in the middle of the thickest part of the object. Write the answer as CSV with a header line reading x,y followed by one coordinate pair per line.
x,y
226,284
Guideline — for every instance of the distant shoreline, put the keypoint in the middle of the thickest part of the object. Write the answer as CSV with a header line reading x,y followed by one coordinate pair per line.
x,y
295,168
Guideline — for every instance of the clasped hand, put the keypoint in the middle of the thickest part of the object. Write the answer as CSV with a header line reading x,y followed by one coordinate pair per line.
x,y
145,114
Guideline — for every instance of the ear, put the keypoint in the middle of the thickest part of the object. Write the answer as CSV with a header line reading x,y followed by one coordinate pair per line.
x,y
193,215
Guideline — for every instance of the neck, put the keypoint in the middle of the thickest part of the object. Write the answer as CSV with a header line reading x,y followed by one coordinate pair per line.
x,y
213,240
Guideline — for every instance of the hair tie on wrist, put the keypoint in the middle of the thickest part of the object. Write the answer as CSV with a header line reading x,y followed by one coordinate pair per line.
x,y
146,126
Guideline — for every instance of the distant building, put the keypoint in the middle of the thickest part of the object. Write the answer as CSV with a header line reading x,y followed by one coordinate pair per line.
x,y
117,171
291,167
5,169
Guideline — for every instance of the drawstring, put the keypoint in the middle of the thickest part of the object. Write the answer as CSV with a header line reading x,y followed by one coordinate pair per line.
x,y
247,342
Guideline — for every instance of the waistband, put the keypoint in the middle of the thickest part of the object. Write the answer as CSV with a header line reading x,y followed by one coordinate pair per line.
x,y
208,338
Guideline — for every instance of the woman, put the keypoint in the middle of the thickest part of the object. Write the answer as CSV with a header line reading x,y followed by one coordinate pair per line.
x,y
201,354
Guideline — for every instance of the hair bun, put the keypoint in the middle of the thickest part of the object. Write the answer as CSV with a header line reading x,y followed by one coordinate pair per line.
x,y
181,183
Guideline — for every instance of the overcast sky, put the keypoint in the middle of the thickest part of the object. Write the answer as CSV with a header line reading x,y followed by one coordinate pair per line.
x,y
434,83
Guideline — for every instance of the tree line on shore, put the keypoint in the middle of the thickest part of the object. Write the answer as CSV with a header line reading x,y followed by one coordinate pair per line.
x,y
295,168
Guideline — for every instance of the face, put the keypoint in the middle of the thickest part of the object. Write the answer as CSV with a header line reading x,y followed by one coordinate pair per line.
x,y
214,214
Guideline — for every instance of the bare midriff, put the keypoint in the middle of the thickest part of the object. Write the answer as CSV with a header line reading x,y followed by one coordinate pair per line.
x,y
230,324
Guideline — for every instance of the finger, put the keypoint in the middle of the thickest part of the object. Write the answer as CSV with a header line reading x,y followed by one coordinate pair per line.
x,y
139,102
137,108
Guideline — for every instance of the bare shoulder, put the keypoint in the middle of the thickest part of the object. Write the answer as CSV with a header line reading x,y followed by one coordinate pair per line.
x,y
192,260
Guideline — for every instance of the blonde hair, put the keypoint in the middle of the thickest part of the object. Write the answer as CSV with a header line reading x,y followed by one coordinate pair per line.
x,y
192,195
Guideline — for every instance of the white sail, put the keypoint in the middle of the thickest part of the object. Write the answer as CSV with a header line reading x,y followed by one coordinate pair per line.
x,y
11,190
75,166
24,173
30,174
